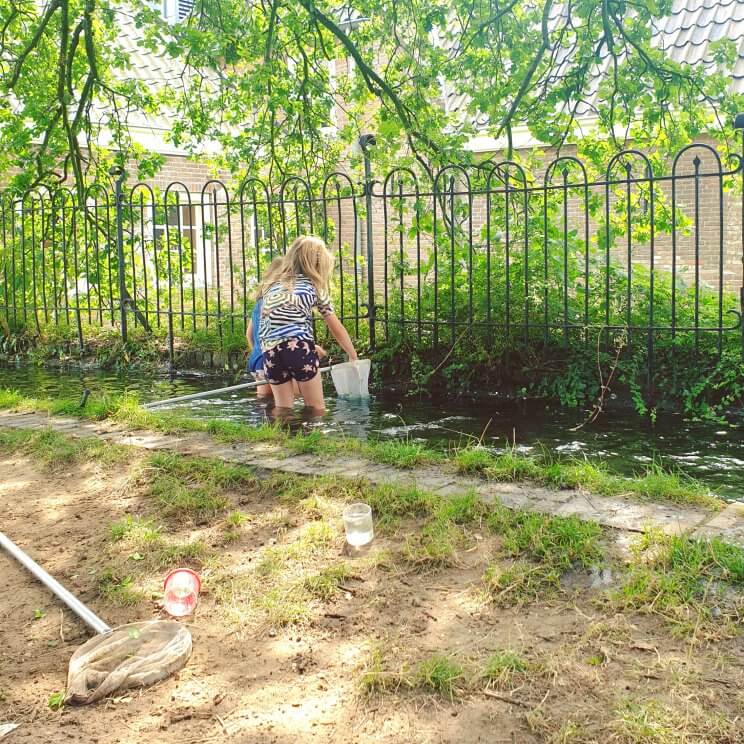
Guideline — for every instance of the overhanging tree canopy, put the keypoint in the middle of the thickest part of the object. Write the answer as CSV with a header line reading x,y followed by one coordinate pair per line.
x,y
259,79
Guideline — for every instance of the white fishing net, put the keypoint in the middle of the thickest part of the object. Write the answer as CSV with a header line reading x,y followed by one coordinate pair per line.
x,y
134,655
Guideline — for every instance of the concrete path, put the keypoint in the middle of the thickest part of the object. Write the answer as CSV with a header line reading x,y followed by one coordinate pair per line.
x,y
621,513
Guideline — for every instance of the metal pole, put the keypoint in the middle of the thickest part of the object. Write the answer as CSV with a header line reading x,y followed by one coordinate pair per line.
x,y
365,142
171,353
739,125
81,342
208,393
83,612
119,197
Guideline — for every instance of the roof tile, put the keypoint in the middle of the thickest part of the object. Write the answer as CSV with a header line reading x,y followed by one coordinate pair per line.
x,y
685,35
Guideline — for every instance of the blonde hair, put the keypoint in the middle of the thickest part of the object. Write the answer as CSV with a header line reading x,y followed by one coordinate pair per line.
x,y
309,257
271,276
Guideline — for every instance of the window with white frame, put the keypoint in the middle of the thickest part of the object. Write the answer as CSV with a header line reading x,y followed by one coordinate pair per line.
x,y
175,11
180,227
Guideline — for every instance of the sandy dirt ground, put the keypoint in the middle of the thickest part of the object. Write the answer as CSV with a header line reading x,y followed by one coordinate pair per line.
x,y
301,683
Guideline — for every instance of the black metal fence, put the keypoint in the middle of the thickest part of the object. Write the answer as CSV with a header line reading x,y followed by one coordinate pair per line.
x,y
491,251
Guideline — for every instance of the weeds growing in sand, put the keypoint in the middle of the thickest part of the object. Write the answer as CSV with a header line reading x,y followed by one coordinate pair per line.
x,y
502,667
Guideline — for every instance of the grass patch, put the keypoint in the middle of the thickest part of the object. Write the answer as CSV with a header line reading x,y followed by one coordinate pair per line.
x,y
141,531
95,409
171,555
502,667
543,549
148,547
234,521
11,399
401,454
648,722
520,582
686,581
313,494
230,431
311,443
284,605
55,450
507,466
376,677
563,541
392,503
435,545
473,460
576,474
119,590
653,484
462,509
193,487
284,581
327,584
186,500
651,722
437,542
657,484
272,562
312,539
439,673
204,470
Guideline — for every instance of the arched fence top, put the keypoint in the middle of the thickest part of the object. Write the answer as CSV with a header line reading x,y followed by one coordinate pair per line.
x,y
295,181
297,190
95,190
211,188
503,168
178,189
253,181
624,158
454,168
141,190
336,177
567,161
698,146
65,197
390,178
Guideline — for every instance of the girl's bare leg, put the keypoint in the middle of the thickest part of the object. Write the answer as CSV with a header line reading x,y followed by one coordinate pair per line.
x,y
283,396
312,394
263,391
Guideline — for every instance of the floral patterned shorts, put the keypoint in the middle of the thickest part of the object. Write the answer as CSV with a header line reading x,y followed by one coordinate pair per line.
x,y
291,360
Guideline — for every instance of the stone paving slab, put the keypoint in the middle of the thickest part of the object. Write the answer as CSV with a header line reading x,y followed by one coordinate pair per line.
x,y
619,513
352,468
728,525
303,465
26,422
88,429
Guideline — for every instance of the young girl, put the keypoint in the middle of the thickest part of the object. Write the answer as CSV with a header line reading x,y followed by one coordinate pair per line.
x,y
286,328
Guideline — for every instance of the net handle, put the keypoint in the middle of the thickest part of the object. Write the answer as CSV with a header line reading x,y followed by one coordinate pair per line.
x,y
82,611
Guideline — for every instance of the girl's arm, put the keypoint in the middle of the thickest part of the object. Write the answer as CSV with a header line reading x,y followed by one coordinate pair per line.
x,y
341,335
249,334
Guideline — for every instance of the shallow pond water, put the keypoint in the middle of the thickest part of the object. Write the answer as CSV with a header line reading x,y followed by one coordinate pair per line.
x,y
712,452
